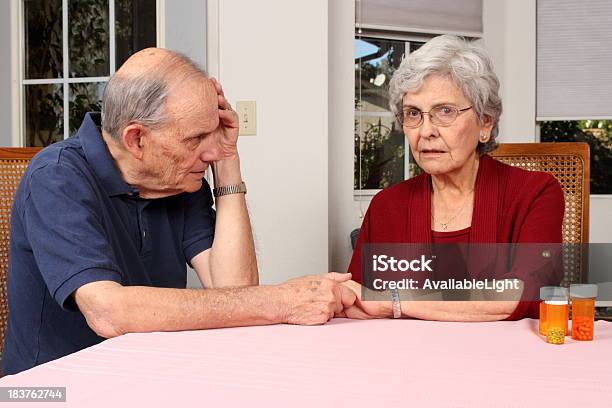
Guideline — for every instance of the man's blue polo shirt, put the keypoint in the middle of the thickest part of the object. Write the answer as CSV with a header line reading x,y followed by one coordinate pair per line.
x,y
76,221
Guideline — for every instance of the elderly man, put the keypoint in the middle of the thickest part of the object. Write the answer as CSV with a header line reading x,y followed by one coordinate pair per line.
x,y
105,222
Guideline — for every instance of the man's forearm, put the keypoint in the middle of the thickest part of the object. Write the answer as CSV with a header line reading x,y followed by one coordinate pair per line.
x,y
117,309
232,259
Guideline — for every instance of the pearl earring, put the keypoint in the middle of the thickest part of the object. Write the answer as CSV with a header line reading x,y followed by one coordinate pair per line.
x,y
483,139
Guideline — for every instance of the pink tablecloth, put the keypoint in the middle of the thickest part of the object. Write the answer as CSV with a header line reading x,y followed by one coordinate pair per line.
x,y
345,363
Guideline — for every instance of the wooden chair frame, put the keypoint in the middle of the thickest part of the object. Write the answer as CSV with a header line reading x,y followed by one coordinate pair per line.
x,y
13,162
570,164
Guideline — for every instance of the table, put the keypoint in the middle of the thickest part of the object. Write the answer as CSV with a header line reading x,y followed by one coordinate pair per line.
x,y
376,363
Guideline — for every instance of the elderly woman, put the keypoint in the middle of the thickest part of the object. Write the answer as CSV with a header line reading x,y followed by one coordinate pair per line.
x,y
445,96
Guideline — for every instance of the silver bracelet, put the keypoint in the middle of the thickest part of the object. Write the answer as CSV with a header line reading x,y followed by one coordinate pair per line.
x,y
231,189
397,306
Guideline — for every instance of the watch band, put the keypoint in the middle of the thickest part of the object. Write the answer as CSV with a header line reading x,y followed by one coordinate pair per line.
x,y
231,189
397,306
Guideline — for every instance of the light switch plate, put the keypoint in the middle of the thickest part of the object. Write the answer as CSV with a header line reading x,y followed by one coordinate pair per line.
x,y
247,116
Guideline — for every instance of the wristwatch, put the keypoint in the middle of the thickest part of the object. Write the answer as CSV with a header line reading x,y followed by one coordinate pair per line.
x,y
396,305
231,189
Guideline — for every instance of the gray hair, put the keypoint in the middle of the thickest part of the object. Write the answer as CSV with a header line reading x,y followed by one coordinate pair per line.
x,y
142,98
465,63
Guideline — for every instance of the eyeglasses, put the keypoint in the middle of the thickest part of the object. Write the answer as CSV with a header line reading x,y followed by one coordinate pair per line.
x,y
442,115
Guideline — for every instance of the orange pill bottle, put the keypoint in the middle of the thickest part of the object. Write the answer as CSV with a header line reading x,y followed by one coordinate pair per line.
x,y
545,294
552,293
556,319
583,311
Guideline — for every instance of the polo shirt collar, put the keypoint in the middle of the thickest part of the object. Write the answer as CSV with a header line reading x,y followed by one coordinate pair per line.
x,y
99,157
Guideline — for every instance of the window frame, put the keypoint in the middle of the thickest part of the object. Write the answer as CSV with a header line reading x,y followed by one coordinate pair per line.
x,y
407,38
538,133
18,137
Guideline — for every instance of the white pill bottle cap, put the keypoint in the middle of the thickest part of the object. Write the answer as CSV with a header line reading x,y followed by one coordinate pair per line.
x,y
550,292
584,291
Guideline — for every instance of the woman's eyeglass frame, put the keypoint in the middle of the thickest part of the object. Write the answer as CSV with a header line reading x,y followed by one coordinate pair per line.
x,y
435,120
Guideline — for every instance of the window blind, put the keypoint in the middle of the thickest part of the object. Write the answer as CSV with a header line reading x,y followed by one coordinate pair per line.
x,y
428,16
574,59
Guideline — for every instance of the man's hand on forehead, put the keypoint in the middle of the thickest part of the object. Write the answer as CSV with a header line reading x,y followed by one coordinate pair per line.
x,y
222,102
227,133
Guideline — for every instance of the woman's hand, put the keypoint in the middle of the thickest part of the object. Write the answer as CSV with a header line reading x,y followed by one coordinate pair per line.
x,y
365,309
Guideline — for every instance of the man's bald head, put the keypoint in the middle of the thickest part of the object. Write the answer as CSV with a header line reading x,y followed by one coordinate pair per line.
x,y
138,92
169,66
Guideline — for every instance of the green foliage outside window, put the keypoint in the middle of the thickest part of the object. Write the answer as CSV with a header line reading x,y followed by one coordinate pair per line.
x,y
379,155
598,134
89,56
379,145
88,35
380,148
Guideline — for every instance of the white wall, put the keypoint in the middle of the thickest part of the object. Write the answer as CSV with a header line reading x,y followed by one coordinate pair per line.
x,y
5,74
509,34
185,28
601,219
275,52
344,211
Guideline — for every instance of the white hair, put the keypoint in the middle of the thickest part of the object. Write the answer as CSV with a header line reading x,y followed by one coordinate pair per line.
x,y
465,63
142,98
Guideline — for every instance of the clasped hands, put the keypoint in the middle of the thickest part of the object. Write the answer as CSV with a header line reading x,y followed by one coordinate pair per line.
x,y
316,299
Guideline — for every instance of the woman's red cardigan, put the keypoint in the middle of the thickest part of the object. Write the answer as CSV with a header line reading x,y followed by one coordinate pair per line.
x,y
511,205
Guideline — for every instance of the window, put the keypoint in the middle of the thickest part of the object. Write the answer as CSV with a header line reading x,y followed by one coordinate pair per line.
x,y
598,134
574,80
70,49
380,146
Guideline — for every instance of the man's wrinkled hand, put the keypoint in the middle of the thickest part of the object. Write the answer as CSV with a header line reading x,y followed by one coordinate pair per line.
x,y
315,299
226,134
